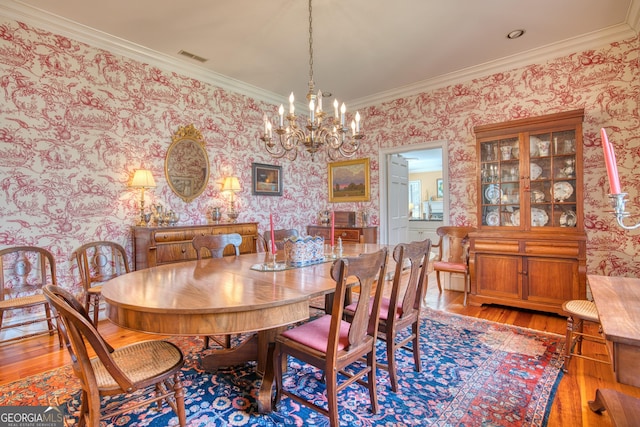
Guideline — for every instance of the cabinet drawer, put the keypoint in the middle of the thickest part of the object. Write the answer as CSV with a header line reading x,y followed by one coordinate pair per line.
x,y
174,253
170,236
496,246
556,248
347,235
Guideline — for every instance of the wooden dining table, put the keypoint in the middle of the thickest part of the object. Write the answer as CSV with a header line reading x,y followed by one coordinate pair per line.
x,y
227,295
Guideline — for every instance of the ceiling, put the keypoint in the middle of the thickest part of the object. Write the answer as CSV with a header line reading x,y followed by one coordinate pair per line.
x,y
364,51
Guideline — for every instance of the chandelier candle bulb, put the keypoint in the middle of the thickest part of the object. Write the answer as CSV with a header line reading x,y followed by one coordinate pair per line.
x,y
357,122
281,114
292,108
610,161
335,109
343,110
312,110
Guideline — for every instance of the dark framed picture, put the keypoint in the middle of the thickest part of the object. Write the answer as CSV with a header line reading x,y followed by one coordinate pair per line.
x,y
266,180
349,181
440,189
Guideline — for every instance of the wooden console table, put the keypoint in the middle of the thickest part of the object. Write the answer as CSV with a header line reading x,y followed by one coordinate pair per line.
x,y
154,246
618,302
346,233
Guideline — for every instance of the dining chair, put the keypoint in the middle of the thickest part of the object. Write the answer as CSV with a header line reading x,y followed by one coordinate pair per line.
x,y
453,254
279,236
24,270
155,364
216,244
332,344
578,312
402,307
98,262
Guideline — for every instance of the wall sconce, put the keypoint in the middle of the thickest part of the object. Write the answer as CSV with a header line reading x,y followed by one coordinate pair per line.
x,y
232,185
142,179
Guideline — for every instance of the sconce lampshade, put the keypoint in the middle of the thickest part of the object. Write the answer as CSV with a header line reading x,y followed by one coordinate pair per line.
x,y
231,183
143,178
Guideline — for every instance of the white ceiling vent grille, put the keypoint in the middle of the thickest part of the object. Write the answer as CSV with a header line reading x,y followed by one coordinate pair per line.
x,y
192,56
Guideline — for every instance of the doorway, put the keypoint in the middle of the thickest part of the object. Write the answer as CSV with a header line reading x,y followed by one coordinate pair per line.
x,y
412,153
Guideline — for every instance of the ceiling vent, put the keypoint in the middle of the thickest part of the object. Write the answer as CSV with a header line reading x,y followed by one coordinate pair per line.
x,y
192,56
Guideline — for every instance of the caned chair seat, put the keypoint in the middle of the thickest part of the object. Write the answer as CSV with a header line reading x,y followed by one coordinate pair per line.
x,y
584,309
580,311
138,361
23,301
24,270
152,367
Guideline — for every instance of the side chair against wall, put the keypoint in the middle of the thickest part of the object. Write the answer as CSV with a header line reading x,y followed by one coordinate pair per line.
x,y
333,344
98,262
125,370
578,312
24,270
216,244
453,254
402,308
279,236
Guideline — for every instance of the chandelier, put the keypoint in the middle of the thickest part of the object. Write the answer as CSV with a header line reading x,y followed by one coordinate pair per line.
x,y
320,131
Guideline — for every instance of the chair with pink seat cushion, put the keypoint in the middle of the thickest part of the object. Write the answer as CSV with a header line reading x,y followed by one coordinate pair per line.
x,y
332,344
409,284
453,254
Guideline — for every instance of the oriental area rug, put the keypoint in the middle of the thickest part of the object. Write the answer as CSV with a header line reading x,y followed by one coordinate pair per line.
x,y
474,373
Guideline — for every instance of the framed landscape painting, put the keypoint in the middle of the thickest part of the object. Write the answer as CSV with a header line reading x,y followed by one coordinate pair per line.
x,y
349,181
266,180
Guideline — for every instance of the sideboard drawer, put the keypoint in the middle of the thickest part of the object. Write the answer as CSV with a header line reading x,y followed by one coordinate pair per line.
x,y
347,234
163,245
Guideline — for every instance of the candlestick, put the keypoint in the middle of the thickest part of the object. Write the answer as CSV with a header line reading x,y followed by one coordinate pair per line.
x,y
333,220
610,161
273,240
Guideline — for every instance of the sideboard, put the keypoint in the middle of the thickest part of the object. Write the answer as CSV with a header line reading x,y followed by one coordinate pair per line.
x,y
347,234
154,246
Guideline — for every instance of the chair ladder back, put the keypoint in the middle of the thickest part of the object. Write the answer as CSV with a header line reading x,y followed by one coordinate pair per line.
x,y
369,270
417,255
216,244
101,261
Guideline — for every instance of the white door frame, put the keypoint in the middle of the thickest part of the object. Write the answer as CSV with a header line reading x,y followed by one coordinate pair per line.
x,y
382,162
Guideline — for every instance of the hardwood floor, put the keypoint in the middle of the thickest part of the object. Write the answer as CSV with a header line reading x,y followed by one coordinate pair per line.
x,y
578,386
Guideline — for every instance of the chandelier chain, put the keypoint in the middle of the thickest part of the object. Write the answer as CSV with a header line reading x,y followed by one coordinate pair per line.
x,y
310,49
320,131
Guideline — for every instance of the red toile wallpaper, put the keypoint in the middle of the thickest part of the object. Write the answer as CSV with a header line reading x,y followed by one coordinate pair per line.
x,y
76,121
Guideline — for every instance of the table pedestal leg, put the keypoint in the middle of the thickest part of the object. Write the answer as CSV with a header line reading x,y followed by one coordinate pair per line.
x,y
259,347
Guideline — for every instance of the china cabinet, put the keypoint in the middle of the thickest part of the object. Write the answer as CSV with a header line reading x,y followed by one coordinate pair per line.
x,y
530,247
154,246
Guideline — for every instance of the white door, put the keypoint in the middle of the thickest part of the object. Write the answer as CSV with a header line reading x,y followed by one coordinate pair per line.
x,y
398,199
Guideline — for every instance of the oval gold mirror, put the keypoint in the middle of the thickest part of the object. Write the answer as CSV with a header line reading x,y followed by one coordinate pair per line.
x,y
187,164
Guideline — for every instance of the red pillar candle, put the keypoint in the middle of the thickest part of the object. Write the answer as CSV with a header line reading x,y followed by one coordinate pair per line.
x,y
333,221
273,240
610,161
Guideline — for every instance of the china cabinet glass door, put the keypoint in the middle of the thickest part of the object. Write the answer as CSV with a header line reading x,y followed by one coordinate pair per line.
x,y
552,173
500,176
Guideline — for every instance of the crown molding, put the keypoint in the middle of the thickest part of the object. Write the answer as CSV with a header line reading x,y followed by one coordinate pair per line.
x,y
59,25
592,40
